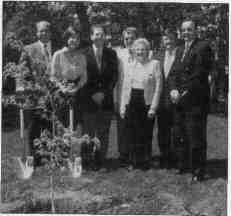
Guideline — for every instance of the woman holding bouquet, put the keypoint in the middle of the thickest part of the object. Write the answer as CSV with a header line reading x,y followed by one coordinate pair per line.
x,y
139,102
68,70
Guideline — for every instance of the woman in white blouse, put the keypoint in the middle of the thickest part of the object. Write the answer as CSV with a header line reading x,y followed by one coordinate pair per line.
x,y
139,102
69,71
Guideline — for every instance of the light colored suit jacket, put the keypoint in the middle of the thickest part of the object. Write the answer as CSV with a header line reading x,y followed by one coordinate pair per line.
x,y
152,85
34,54
124,62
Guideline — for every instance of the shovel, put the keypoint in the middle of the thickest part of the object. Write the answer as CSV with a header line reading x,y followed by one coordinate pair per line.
x,y
25,169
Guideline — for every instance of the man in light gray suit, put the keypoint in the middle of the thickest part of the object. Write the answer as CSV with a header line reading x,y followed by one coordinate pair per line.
x,y
41,50
37,57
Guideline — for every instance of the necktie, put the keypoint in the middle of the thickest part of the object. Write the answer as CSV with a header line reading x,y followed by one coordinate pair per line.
x,y
46,52
98,58
186,49
130,55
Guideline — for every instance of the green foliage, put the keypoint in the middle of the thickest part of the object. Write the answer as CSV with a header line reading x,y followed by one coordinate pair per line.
x,y
21,17
53,151
149,18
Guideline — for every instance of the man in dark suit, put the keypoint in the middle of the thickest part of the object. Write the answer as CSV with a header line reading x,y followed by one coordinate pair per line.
x,y
98,104
165,111
190,93
37,57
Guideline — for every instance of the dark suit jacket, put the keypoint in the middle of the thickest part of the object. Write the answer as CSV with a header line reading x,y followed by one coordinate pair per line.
x,y
165,101
103,80
191,75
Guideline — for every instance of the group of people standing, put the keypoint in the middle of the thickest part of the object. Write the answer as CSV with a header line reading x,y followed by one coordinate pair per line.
x,y
139,86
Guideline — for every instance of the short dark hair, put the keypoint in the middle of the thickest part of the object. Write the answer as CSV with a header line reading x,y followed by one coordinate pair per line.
x,y
69,32
170,32
93,27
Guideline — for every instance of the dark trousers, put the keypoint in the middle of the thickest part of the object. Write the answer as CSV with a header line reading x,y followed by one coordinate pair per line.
x,y
190,138
165,126
98,124
138,129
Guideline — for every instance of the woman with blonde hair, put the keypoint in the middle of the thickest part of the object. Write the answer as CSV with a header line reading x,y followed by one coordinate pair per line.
x,y
139,102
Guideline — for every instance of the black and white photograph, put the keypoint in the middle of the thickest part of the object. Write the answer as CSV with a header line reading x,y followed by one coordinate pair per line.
x,y
115,108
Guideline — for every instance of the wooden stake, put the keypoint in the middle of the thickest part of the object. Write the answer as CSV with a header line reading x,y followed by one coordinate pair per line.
x,y
52,195
71,118
21,123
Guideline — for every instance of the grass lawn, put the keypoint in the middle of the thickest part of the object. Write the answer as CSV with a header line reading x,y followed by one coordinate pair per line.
x,y
119,191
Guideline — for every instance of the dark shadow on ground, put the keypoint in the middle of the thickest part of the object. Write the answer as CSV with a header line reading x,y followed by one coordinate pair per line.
x,y
217,168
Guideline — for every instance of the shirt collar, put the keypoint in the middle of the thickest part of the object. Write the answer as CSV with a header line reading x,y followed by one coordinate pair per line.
x,y
189,44
48,44
96,48
172,52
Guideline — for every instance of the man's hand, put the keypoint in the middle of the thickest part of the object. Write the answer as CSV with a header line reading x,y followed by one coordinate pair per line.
x,y
175,96
122,114
151,113
98,98
210,79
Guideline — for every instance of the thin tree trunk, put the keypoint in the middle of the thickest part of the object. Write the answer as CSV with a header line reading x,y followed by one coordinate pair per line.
x,y
52,195
53,124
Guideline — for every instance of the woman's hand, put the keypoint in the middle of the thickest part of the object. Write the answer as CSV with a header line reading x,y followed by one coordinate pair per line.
x,y
122,115
122,112
69,88
72,91
98,98
151,113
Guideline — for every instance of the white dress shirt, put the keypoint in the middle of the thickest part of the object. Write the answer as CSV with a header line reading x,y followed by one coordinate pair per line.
x,y
187,46
98,55
168,61
139,75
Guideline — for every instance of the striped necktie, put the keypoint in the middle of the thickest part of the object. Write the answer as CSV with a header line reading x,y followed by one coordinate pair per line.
x,y
46,51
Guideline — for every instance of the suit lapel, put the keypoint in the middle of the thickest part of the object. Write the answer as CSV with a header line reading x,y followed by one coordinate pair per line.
x,y
161,58
172,66
188,54
104,61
